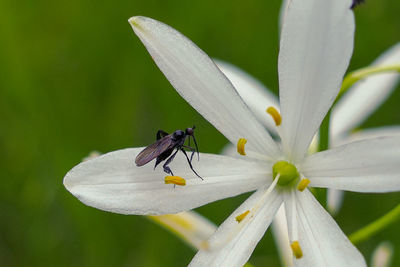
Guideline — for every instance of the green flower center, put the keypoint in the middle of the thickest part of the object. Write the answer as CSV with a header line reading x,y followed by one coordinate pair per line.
x,y
288,174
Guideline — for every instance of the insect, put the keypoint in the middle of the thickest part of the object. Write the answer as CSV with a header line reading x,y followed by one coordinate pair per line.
x,y
165,145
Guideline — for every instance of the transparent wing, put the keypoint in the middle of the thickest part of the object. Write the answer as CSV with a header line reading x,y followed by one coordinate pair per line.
x,y
154,150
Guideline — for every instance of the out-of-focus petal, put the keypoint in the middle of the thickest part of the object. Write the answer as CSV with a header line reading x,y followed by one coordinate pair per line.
x,y
382,255
282,12
334,200
200,82
322,241
192,227
281,237
365,96
316,46
113,182
233,243
371,165
368,134
257,97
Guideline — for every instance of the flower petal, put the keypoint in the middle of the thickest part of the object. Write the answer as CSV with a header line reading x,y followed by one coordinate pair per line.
x,y
322,241
282,13
316,46
233,243
192,227
366,96
113,183
368,134
281,237
365,166
257,97
199,81
334,200
335,197
382,255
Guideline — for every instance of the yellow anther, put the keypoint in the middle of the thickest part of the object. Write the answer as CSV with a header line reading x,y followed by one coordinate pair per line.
x,y
177,180
275,115
240,146
296,249
205,245
240,217
303,184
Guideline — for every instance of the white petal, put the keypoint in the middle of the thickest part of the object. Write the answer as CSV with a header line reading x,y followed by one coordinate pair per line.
x,y
257,97
368,134
365,96
322,241
191,226
113,182
199,81
282,12
316,46
382,255
334,200
232,247
281,237
371,165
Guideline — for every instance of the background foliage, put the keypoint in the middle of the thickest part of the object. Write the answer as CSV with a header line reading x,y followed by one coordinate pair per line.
x,y
74,78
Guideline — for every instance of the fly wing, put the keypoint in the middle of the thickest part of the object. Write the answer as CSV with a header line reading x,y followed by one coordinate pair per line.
x,y
154,150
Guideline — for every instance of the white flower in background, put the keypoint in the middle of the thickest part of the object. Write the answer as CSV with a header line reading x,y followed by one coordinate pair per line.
x,y
190,226
382,255
316,45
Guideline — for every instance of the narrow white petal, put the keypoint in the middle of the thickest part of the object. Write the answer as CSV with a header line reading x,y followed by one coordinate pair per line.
x,y
113,182
334,200
367,134
365,96
281,237
199,81
322,241
282,13
371,165
382,255
316,46
191,226
232,247
257,97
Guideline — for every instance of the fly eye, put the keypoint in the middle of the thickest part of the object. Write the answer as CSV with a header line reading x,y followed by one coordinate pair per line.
x,y
189,131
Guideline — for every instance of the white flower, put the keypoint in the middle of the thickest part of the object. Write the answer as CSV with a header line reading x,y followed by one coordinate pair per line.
x,y
351,110
382,255
316,45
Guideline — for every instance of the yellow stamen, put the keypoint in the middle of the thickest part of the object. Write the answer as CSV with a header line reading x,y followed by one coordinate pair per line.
x,y
177,180
275,115
303,184
240,146
296,249
175,219
205,245
240,217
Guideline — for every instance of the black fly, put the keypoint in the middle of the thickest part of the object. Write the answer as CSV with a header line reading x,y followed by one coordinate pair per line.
x,y
165,145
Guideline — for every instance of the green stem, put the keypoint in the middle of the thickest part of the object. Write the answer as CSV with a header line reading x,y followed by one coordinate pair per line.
x,y
376,226
359,74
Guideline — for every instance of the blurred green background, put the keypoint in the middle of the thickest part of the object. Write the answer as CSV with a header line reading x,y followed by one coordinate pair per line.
x,y
74,78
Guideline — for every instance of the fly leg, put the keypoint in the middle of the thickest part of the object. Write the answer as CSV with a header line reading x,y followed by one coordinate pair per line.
x,y
191,149
165,166
190,164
